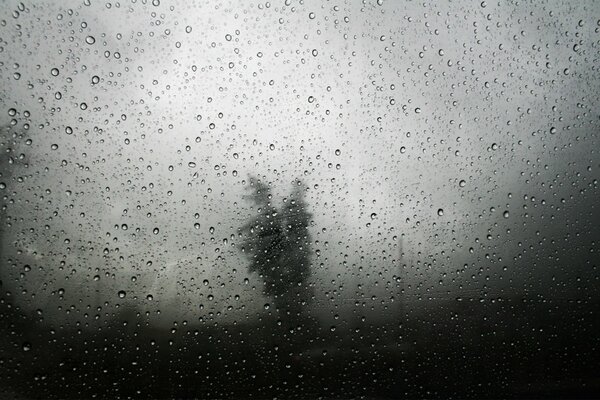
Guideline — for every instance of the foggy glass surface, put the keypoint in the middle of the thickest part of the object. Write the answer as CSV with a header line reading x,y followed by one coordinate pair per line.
x,y
299,199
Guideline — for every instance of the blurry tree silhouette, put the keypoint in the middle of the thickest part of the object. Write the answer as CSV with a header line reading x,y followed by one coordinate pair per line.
x,y
278,244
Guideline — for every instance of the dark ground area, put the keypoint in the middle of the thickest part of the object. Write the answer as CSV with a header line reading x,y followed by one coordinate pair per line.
x,y
447,349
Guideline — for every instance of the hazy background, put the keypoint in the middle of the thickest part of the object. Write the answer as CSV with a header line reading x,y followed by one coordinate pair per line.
x,y
387,112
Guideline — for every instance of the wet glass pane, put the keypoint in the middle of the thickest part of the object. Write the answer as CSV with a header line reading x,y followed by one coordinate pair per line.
x,y
367,199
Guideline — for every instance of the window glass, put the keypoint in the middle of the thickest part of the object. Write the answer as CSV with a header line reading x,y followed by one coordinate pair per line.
x,y
299,199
